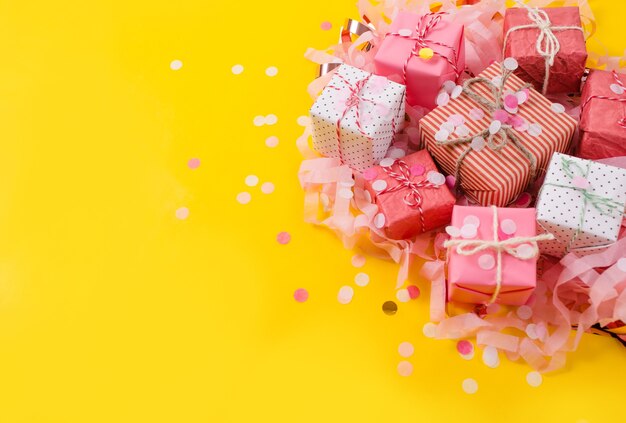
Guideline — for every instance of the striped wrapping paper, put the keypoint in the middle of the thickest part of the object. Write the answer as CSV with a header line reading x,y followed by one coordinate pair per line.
x,y
497,178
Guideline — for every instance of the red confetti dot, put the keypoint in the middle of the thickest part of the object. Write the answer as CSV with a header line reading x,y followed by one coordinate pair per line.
x,y
193,163
283,238
414,291
464,347
326,26
301,295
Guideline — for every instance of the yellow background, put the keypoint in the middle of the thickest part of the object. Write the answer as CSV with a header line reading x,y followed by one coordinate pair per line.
x,y
114,310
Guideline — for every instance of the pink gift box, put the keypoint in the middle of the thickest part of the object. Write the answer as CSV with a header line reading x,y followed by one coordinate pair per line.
x,y
472,278
425,77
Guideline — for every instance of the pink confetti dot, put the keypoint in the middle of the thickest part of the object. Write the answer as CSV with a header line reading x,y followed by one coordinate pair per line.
x,y
358,260
182,213
464,347
193,163
326,26
301,295
450,181
267,188
406,349
283,238
405,368
271,142
417,170
414,291
244,197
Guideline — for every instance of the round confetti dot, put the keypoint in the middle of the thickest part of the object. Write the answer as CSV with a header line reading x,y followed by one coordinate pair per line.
x,y
462,131
387,162
283,238
429,330
442,135
396,153
271,119
345,294
259,120
390,308
303,120
508,226
182,213
448,126
237,69
511,101
478,143
443,99
621,264
531,331
379,185
534,130
271,71
252,180
456,92
497,81
522,96
495,127
176,65
617,89
526,251
534,379
426,53
326,26
470,386
358,260
469,231
471,220
464,347
417,170
405,32
414,291
403,295
370,174
405,368
436,178
267,188
244,197
486,262
456,120
477,114
346,193
490,357
448,86
301,295
362,279
453,231
406,349
524,312
271,142
557,108
193,163
510,64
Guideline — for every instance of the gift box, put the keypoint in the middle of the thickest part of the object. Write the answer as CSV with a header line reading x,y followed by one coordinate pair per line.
x,y
495,153
526,40
356,117
411,195
603,116
492,255
581,203
422,52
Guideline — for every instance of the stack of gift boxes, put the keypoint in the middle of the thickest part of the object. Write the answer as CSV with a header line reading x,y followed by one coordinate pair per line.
x,y
489,136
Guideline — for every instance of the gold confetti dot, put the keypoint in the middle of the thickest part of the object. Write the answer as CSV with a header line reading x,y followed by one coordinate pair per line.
x,y
426,53
390,308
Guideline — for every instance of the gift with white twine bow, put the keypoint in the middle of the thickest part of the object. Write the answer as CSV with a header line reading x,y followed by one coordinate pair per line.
x,y
471,247
547,44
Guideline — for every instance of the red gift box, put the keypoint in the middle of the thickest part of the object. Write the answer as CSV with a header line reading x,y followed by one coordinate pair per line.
x,y
603,116
411,195
568,68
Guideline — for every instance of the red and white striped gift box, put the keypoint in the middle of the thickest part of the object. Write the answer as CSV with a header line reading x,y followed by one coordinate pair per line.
x,y
497,177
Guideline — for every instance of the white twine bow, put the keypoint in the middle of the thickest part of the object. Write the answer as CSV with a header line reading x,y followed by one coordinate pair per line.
x,y
469,247
547,44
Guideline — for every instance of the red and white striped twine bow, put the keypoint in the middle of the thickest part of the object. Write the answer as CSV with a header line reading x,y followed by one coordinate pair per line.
x,y
426,24
618,81
413,198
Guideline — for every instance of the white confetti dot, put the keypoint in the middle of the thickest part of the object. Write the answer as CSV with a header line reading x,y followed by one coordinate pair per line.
x,y
405,32
443,99
526,251
456,92
531,331
379,221
345,294
406,349
495,127
534,379
362,279
486,262
252,180
405,368
471,220
303,120
387,162
524,312
436,178
267,188
534,130
470,386
403,295
490,357
477,114
244,197
182,213
176,65
478,143
508,226
453,231
510,64
468,356
442,135
557,108
462,131
448,86
469,231
448,126
396,153
621,264
271,71
379,185
617,89
237,69
271,142
429,330
271,119
497,81
346,193
358,260
259,120
456,120
522,97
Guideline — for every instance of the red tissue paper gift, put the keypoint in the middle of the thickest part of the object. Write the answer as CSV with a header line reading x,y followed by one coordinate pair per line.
x,y
603,116
422,52
549,45
411,195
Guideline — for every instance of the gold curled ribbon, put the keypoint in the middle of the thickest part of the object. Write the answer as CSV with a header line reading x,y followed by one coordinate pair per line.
x,y
351,27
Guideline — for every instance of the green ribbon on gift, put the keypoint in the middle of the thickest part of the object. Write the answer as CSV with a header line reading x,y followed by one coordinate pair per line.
x,y
604,205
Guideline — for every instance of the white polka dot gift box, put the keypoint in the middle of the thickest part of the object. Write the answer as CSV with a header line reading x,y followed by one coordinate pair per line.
x,y
356,117
495,133
492,255
581,203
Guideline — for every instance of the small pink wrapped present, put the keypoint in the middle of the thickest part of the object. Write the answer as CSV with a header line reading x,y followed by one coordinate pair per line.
x,y
422,52
492,255
411,195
